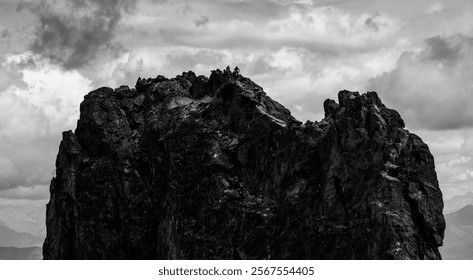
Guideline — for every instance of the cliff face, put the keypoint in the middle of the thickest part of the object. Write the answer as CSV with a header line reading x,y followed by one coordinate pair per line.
x,y
212,168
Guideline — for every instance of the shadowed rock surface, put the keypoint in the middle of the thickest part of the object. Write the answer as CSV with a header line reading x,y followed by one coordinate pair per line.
x,y
213,168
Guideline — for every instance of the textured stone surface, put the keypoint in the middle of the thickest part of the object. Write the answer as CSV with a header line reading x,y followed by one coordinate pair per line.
x,y
212,168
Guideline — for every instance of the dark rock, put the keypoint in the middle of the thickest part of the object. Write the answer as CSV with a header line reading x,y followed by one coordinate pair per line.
x,y
331,108
212,168
160,78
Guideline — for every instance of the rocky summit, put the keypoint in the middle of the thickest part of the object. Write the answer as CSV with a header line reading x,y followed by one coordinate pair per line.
x,y
213,168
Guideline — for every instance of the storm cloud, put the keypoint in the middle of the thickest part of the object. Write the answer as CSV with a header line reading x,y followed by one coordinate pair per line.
x,y
73,33
432,88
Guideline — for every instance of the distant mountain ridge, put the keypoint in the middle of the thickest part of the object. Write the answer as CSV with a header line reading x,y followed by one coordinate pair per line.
x,y
458,202
28,217
458,241
13,253
11,238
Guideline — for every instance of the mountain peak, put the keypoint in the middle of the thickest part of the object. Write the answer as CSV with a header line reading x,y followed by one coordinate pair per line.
x,y
212,168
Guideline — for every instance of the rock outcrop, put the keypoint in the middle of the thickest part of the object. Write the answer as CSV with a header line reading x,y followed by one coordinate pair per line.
x,y
212,168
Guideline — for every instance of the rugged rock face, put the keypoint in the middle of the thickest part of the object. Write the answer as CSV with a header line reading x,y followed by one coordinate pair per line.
x,y
212,168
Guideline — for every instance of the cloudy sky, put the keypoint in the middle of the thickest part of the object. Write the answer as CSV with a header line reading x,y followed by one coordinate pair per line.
x,y
417,54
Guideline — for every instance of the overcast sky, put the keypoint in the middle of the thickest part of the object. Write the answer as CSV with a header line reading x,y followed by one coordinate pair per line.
x,y
417,54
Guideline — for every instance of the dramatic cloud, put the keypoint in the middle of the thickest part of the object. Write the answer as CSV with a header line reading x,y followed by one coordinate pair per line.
x,y
73,33
453,162
246,26
23,129
432,87
39,101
